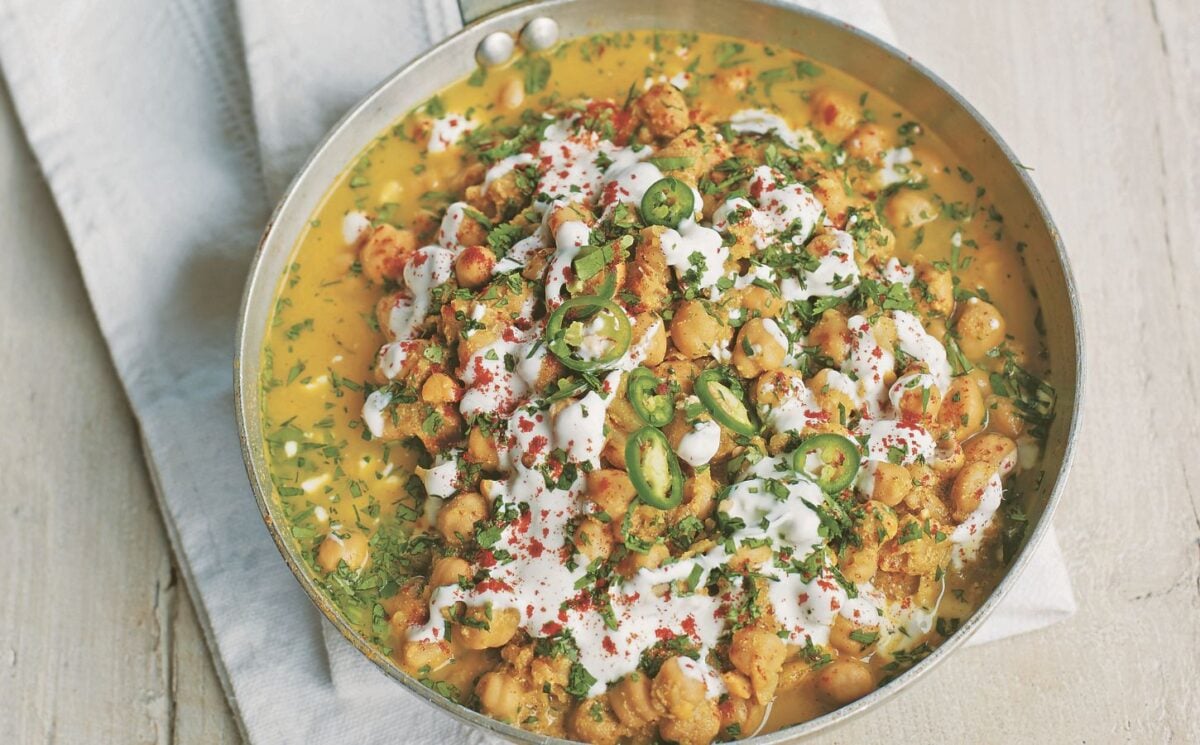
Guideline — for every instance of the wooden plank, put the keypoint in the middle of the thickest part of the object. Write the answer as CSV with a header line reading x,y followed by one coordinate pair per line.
x,y
201,714
83,640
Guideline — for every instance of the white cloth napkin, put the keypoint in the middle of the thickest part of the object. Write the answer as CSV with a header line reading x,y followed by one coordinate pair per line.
x,y
166,129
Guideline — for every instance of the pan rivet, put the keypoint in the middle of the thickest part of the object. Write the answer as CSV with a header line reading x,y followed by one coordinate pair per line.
x,y
540,33
495,49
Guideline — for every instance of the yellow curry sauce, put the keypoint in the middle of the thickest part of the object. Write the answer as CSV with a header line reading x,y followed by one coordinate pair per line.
x,y
860,301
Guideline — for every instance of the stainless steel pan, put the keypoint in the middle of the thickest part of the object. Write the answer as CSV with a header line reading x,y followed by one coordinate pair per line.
x,y
769,21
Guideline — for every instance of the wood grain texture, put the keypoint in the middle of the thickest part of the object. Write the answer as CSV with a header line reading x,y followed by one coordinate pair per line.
x,y
1102,100
83,642
97,642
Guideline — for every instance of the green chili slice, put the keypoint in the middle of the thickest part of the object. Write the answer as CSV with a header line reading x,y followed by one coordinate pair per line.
x,y
725,405
832,461
650,398
575,326
654,469
668,202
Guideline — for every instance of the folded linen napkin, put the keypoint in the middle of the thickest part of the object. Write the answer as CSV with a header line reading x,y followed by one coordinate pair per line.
x,y
166,130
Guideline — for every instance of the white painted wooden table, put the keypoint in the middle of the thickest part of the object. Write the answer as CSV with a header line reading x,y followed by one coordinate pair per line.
x,y
98,643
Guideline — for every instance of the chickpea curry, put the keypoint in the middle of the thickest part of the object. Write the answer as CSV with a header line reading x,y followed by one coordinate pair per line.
x,y
656,387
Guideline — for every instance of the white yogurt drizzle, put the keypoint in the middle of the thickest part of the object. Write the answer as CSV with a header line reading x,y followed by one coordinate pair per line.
x,y
760,121
700,444
354,224
778,208
895,167
446,131
837,274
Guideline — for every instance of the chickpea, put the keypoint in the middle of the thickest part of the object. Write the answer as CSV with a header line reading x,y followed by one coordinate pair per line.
x,y
919,404
925,495
890,483
681,372
968,489
933,289
831,193
861,563
621,414
881,523
383,318
699,729
876,240
676,692
652,559
512,95
352,548
472,175
883,328
499,696
928,591
473,267
552,672
756,300
561,214
981,379
593,720
949,462
448,570
845,680
407,607
611,490
500,628
749,557
699,494
963,413
440,388
760,347
909,208
830,397
868,142
773,388
980,328
991,448
694,330
384,252
759,654
471,232
663,109
417,654
831,335
839,636
650,331
457,519
834,113
481,449
742,712
425,223
1003,416
519,656
593,539
731,82
737,684
648,272
614,448
632,701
